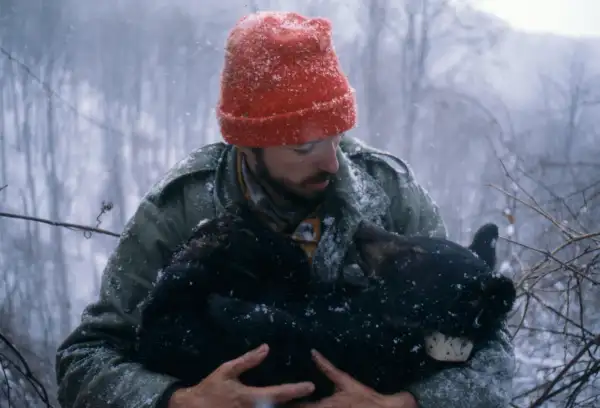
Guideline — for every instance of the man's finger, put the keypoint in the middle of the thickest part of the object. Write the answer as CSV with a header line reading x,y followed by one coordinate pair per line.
x,y
337,376
328,402
318,404
308,405
234,368
279,394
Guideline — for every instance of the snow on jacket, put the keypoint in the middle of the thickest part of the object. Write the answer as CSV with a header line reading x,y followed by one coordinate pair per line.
x,y
93,366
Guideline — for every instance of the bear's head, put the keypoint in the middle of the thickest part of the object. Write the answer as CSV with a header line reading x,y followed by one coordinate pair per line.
x,y
240,243
438,285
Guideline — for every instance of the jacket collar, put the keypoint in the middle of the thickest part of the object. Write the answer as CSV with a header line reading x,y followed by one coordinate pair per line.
x,y
357,196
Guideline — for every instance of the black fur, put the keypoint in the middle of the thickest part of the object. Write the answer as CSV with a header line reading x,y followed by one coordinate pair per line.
x,y
237,284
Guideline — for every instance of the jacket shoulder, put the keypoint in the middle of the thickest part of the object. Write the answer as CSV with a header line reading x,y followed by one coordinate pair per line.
x,y
377,163
202,163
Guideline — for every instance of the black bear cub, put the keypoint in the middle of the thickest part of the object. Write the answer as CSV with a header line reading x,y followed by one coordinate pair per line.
x,y
237,284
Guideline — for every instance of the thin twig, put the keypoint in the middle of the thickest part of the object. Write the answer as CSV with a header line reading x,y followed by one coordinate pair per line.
x,y
535,208
24,371
546,395
76,227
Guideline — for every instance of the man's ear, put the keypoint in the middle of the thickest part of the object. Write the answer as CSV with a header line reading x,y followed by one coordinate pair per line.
x,y
247,151
250,154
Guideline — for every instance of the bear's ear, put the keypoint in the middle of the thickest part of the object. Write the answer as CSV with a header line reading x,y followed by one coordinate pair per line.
x,y
375,245
484,244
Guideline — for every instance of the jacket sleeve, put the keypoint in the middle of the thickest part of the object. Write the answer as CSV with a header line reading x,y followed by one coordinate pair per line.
x,y
93,365
486,381
419,214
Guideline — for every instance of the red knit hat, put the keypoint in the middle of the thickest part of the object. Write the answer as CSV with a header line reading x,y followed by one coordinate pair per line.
x,y
282,82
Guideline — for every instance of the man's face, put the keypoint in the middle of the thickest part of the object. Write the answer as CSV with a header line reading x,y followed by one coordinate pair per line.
x,y
298,172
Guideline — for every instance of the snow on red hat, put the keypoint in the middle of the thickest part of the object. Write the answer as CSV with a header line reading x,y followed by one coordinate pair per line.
x,y
282,82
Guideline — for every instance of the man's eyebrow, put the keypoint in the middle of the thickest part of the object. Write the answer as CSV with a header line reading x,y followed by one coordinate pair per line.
x,y
307,144
313,142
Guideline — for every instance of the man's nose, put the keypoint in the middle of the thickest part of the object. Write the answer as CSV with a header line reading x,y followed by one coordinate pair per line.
x,y
328,159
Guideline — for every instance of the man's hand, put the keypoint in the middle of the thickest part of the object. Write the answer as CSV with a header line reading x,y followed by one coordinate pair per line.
x,y
222,389
352,394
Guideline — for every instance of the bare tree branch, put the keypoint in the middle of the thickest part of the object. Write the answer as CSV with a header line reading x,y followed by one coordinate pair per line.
x,y
75,227
20,372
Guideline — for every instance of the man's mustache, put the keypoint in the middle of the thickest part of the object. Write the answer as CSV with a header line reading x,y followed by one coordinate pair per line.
x,y
319,178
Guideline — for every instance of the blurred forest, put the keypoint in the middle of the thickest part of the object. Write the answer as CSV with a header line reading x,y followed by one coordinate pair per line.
x,y
99,99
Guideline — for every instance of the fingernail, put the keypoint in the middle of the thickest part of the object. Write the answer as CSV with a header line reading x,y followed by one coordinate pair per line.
x,y
308,386
262,349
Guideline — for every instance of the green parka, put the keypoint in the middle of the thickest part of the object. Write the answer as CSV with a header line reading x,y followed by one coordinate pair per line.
x,y
93,366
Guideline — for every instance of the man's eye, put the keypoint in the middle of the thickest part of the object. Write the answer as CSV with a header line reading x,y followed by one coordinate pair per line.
x,y
305,149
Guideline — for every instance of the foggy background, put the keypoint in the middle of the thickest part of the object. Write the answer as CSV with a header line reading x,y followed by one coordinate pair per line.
x,y
99,98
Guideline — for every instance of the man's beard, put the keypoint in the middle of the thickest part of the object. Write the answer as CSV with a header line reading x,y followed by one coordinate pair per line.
x,y
264,177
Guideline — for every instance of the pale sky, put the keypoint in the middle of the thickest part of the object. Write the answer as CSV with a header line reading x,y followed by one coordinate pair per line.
x,y
563,17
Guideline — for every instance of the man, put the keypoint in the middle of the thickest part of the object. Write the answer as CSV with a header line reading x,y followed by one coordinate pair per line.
x,y
284,107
